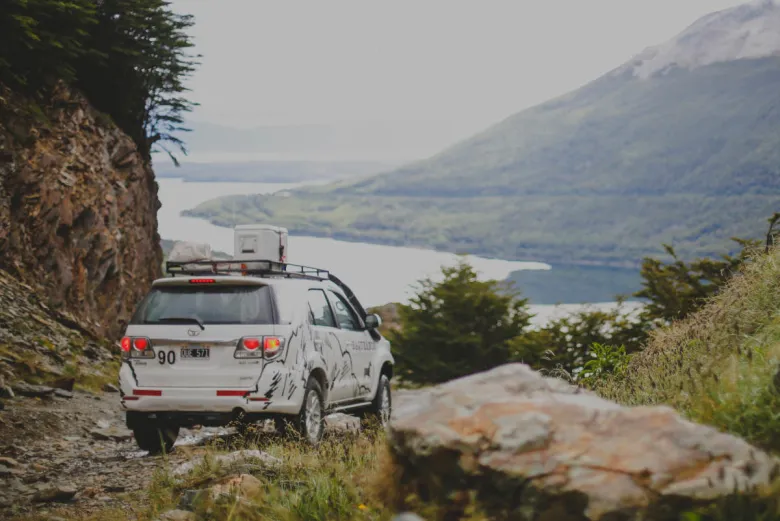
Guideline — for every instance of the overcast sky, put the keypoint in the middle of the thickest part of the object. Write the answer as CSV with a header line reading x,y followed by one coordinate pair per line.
x,y
451,67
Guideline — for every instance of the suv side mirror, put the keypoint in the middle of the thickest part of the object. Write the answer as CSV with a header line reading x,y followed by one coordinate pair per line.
x,y
373,321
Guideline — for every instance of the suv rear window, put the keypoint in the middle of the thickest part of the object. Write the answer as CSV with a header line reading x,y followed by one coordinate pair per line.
x,y
208,304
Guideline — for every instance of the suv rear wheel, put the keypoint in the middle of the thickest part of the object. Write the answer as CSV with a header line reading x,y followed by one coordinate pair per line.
x,y
309,423
378,413
155,438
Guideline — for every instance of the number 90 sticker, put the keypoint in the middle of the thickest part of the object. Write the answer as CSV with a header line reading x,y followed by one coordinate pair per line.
x,y
169,357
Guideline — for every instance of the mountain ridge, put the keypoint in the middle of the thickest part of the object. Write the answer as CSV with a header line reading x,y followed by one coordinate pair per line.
x,y
602,175
748,31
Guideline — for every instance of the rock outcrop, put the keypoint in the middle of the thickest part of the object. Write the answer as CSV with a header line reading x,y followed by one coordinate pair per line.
x,y
529,447
78,209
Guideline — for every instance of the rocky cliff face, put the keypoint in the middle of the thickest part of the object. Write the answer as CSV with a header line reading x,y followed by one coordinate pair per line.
x,y
78,209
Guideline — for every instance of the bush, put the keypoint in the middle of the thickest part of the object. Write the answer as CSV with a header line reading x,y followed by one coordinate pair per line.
x,y
457,327
677,289
568,343
606,361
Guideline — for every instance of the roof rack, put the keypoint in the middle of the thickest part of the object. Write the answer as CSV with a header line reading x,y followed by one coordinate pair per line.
x,y
252,267
260,268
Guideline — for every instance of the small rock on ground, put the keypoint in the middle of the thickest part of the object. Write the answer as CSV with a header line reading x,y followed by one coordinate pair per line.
x,y
112,433
407,516
190,498
7,471
228,459
242,486
177,515
110,388
55,493
65,384
8,462
32,391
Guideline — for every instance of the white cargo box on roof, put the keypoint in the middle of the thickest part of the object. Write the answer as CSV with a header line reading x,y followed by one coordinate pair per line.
x,y
260,242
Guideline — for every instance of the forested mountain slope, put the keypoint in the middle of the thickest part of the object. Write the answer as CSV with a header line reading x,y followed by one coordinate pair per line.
x,y
681,145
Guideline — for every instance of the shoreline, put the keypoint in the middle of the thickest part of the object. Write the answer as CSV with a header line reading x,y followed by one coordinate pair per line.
x,y
346,237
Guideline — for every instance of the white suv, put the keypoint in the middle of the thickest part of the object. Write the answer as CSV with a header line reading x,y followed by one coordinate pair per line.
x,y
224,343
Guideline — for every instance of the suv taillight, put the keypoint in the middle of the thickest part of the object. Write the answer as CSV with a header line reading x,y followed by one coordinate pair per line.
x,y
271,346
249,347
136,347
250,344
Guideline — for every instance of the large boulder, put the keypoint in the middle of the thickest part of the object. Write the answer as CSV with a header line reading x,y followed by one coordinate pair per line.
x,y
523,446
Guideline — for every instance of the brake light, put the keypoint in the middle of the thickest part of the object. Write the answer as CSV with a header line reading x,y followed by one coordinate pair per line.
x,y
140,344
202,281
250,344
126,344
271,345
146,392
233,393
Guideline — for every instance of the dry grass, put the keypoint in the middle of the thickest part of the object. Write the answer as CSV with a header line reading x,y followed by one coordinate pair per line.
x,y
336,481
719,366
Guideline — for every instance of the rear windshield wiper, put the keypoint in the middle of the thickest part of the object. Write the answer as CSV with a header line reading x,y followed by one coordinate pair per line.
x,y
190,320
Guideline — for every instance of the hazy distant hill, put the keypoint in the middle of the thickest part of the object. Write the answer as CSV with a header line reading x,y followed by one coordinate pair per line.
x,y
362,141
272,171
681,145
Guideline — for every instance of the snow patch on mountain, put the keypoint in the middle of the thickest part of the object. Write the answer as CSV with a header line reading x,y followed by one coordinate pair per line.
x,y
748,31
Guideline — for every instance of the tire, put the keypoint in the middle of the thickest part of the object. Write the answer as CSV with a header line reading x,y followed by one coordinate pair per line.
x,y
381,408
309,423
155,439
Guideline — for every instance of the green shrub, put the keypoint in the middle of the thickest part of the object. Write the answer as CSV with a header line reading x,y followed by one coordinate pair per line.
x,y
567,343
607,360
458,326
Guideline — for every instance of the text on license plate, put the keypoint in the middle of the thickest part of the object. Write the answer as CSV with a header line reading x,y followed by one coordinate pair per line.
x,y
195,353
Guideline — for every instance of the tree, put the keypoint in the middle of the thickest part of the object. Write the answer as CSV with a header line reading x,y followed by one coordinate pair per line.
x,y
138,70
676,289
457,327
41,40
129,57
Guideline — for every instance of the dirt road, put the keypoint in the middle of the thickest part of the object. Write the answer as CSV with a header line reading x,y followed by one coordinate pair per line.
x,y
75,453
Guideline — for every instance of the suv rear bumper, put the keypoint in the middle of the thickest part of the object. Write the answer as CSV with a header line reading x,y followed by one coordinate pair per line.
x,y
189,419
200,400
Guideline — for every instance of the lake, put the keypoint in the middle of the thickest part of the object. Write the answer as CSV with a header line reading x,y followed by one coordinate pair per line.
x,y
378,274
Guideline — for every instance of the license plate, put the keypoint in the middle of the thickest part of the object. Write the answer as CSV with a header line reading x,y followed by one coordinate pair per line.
x,y
195,353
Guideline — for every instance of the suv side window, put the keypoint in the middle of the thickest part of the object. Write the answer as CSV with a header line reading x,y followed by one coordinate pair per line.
x,y
346,317
321,313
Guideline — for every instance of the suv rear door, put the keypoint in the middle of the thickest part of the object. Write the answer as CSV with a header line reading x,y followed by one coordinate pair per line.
x,y
208,320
